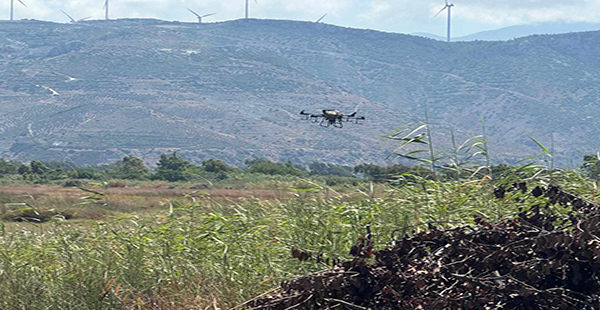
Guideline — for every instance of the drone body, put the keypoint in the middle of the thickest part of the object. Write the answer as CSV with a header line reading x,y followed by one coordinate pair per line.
x,y
332,118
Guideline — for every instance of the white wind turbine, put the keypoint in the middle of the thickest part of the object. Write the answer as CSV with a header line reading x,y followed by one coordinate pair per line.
x,y
74,20
449,7
105,7
200,16
256,1
12,7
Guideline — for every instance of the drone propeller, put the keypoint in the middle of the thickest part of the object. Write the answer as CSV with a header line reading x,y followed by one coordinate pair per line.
x,y
307,115
348,117
304,113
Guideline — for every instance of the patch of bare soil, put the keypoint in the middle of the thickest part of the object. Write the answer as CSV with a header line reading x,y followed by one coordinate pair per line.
x,y
534,261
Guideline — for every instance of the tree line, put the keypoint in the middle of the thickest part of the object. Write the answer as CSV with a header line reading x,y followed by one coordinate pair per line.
x,y
173,168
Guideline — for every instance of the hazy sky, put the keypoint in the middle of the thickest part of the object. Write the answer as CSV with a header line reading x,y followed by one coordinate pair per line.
x,y
404,16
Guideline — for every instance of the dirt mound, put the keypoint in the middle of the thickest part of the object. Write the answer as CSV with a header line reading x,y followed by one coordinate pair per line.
x,y
35,216
534,261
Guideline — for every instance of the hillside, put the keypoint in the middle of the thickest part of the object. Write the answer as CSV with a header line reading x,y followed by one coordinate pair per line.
x,y
98,90
518,31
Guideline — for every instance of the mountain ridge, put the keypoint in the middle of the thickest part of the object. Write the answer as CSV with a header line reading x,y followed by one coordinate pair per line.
x,y
96,91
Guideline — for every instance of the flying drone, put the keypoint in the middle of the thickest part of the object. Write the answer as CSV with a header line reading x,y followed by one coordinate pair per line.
x,y
332,118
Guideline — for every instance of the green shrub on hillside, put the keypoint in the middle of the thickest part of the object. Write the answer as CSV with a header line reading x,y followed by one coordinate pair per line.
x,y
216,166
388,173
132,168
8,167
265,166
319,168
172,168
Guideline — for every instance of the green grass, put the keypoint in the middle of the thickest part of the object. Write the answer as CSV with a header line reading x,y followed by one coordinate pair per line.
x,y
196,253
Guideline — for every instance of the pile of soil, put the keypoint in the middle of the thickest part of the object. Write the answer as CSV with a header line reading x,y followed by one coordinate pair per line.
x,y
534,261
35,216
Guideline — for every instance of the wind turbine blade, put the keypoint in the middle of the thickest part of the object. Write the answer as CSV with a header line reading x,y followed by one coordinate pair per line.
x,y
21,2
85,18
69,16
320,19
438,13
207,15
193,12
446,2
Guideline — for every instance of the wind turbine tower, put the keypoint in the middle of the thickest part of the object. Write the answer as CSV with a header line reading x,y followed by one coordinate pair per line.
x,y
12,8
106,10
256,1
449,7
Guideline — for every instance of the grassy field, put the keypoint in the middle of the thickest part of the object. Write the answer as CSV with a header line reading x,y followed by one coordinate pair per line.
x,y
161,248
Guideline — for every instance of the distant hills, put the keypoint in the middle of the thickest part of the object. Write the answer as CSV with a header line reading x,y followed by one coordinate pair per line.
x,y
95,91
518,31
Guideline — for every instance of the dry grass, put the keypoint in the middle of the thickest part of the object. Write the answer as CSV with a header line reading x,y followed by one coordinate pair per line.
x,y
62,192
31,206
